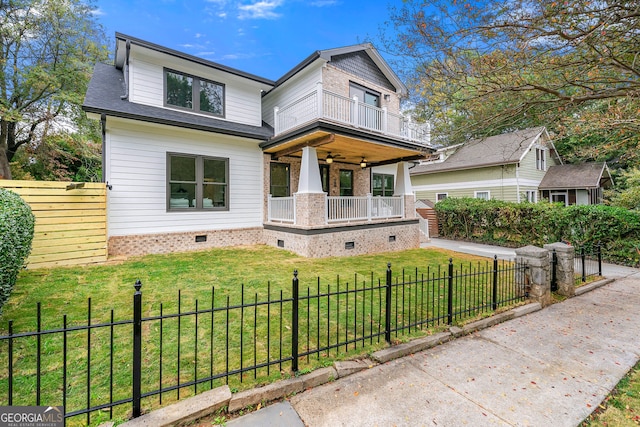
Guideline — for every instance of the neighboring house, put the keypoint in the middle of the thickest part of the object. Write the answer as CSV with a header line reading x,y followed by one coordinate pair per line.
x,y
506,167
197,154
576,184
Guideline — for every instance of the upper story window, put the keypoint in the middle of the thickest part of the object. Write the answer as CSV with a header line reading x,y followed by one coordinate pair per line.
x,y
541,159
365,95
193,93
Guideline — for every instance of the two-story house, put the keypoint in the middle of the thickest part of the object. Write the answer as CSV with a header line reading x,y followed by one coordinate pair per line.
x,y
508,167
197,154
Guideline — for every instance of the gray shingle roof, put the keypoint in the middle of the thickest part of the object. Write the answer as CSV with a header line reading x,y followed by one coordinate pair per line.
x,y
585,175
104,96
502,149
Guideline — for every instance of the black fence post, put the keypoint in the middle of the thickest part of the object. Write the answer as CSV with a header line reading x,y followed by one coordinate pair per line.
x,y
554,271
387,305
137,349
583,258
10,355
494,302
599,259
450,296
294,323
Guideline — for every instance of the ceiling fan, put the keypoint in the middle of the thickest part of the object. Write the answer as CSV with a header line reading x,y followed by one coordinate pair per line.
x,y
331,157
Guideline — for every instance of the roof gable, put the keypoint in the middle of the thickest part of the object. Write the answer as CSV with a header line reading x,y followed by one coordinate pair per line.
x,y
360,64
585,175
364,55
503,149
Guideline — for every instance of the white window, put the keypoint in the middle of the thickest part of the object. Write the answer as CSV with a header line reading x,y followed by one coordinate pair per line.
x,y
484,195
541,159
197,182
532,196
441,196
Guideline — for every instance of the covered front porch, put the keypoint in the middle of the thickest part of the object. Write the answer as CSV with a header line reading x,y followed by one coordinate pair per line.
x,y
333,194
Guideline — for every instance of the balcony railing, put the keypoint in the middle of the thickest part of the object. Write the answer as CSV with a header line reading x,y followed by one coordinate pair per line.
x,y
341,208
322,104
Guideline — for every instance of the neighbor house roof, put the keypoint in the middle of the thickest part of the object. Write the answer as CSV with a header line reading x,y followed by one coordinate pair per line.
x,y
585,175
504,149
104,96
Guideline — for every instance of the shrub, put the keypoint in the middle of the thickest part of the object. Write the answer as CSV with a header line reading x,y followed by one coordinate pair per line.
x,y
521,224
16,233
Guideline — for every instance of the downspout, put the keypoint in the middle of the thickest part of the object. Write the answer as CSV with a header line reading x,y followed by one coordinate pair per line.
x,y
125,72
518,182
103,126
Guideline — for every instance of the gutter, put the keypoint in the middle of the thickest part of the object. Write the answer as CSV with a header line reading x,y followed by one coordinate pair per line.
x,y
125,71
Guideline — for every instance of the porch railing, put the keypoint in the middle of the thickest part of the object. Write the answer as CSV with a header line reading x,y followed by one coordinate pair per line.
x,y
282,209
341,208
323,104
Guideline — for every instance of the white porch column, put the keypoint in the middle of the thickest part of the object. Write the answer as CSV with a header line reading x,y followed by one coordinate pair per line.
x,y
309,172
403,188
403,181
310,199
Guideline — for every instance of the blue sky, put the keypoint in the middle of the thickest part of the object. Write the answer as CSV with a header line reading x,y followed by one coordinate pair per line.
x,y
263,37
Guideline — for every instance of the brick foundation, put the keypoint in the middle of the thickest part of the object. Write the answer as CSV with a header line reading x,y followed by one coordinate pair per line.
x,y
182,242
367,239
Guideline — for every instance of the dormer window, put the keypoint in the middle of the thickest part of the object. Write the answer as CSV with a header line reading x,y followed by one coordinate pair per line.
x,y
193,93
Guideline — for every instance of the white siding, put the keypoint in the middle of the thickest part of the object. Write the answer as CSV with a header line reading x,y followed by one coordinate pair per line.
x,y
146,85
296,87
136,170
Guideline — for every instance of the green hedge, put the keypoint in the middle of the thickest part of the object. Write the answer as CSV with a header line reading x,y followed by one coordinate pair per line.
x,y
521,224
16,233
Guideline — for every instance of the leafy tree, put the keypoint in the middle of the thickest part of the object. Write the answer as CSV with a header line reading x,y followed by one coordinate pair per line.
x,y
59,157
627,195
47,52
482,68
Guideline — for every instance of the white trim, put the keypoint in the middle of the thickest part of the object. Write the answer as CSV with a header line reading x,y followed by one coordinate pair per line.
x,y
477,184
535,195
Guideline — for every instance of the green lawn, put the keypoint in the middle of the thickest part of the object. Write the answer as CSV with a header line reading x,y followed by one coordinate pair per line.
x,y
622,407
65,291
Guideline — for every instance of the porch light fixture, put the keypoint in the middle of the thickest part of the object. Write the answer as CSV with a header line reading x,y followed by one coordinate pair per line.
x,y
363,163
329,159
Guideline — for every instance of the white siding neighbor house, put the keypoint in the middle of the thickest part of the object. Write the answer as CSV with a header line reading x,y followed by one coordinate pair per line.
x,y
198,155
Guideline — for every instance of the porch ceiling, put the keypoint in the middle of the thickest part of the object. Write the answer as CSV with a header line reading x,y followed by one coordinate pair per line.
x,y
345,148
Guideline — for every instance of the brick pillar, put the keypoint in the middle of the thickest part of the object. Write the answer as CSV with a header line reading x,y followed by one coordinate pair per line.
x,y
310,209
538,275
564,269
409,206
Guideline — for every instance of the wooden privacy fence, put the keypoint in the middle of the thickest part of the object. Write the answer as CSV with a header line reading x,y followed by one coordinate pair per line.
x,y
71,221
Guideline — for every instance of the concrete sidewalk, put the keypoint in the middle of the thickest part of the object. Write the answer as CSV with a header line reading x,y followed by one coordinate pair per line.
x,y
551,367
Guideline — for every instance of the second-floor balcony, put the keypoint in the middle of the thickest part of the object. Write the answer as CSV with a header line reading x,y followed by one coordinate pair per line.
x,y
323,104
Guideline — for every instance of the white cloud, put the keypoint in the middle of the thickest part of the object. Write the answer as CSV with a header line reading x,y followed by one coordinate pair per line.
x,y
260,10
98,12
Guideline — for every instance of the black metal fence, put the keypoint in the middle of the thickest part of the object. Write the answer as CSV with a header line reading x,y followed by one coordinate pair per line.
x,y
94,369
587,263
